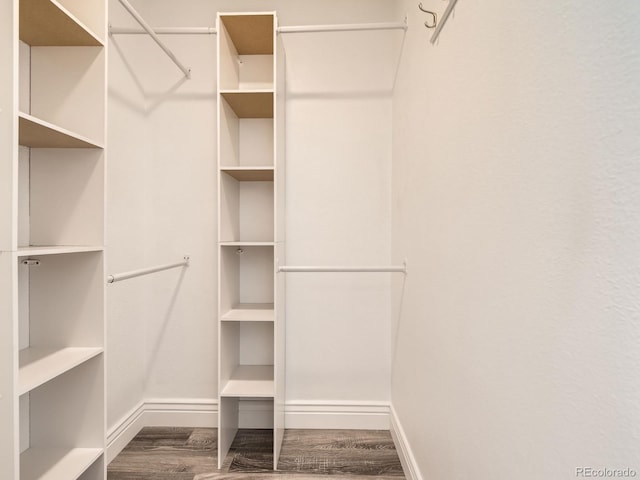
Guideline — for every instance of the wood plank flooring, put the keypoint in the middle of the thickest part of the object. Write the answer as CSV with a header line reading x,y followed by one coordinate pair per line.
x,y
177,453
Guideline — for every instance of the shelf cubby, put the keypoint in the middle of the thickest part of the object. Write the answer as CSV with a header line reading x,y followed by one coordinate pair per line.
x,y
249,312
36,133
252,381
60,23
65,424
246,209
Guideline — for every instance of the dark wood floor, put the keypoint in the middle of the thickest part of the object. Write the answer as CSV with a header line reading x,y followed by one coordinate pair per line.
x,y
178,453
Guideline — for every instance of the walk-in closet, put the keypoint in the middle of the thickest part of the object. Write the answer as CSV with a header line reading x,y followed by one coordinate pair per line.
x,y
349,239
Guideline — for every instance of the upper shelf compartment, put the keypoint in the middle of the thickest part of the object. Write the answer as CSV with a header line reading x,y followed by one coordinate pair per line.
x,y
246,51
49,23
250,34
250,104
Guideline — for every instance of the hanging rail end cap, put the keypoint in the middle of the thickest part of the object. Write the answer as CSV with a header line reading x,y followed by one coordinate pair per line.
x,y
110,279
187,260
404,264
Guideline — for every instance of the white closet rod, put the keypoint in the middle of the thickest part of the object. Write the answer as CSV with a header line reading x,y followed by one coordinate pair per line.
x,y
443,20
145,271
340,269
132,11
344,28
164,31
291,29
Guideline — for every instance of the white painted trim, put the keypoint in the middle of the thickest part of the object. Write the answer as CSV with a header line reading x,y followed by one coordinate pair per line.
x,y
161,413
337,414
123,432
333,414
407,459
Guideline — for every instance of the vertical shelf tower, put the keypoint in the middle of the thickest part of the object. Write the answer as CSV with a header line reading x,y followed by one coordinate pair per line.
x,y
52,195
250,223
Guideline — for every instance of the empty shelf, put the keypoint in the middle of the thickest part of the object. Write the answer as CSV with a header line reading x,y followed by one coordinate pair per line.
x,y
38,365
37,133
249,174
48,23
56,463
250,381
250,103
250,312
250,34
247,244
57,249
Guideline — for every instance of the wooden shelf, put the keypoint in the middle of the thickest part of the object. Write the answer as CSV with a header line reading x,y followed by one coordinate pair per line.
x,y
250,312
56,463
36,133
57,249
48,23
250,103
247,244
250,34
250,381
38,365
249,174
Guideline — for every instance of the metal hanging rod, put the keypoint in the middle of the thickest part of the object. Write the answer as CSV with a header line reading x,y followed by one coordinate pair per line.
x,y
164,31
345,27
132,11
342,269
145,271
445,16
290,29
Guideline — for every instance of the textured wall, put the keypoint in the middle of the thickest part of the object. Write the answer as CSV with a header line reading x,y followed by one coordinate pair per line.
x,y
516,173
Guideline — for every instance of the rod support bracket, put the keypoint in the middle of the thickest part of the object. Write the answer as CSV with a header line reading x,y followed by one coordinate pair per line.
x,y
31,262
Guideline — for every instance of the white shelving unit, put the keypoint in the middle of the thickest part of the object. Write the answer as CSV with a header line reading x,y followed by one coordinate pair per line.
x,y
250,221
52,179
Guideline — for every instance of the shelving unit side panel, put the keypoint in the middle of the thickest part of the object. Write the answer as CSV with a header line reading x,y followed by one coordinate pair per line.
x,y
256,275
68,411
227,426
67,197
9,433
9,65
67,301
228,135
228,60
256,345
279,145
228,279
24,171
229,206
68,88
279,346
229,350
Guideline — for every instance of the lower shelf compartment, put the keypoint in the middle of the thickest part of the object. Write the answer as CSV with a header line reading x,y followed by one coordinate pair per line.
x,y
38,365
250,381
40,463
250,312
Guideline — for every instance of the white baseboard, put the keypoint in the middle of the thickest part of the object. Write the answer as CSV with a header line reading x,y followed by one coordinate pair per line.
x,y
160,413
409,465
337,415
253,414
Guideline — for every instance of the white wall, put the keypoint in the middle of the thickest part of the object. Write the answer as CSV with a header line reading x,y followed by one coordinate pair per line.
x,y
515,200
162,191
